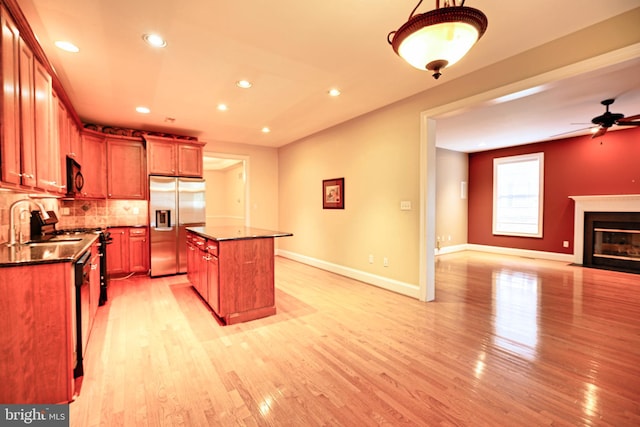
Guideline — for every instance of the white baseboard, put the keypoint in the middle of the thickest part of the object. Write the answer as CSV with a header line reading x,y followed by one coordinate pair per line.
x,y
382,282
409,289
527,253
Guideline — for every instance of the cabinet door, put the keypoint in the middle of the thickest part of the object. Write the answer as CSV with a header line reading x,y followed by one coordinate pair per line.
x,y
10,141
48,170
201,283
213,284
126,177
190,160
27,115
138,250
118,251
162,157
94,167
94,285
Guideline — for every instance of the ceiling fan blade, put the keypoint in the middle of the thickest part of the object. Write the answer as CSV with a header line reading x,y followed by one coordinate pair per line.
x,y
570,132
600,132
629,121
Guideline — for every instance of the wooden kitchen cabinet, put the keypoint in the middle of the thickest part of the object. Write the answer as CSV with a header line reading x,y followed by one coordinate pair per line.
x,y
167,156
94,284
93,166
47,148
138,250
126,175
27,116
190,160
9,90
129,251
118,251
162,157
213,277
36,342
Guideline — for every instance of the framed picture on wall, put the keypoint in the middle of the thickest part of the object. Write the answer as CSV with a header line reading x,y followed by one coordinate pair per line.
x,y
333,193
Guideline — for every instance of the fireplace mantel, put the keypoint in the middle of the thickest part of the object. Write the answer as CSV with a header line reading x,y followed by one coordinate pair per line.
x,y
605,203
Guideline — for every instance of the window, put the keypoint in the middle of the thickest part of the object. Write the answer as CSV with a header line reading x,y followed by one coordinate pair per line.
x,y
517,195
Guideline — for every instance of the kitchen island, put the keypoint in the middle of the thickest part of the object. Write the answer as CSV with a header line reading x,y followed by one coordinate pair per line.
x,y
232,268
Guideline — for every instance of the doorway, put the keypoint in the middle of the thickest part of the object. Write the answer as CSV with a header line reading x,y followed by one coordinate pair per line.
x,y
227,191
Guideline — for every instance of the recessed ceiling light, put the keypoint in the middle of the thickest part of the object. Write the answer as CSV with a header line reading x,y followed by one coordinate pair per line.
x,y
154,40
244,84
67,46
266,130
223,107
334,92
143,110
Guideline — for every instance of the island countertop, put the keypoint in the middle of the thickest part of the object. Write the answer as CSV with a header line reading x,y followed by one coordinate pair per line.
x,y
236,233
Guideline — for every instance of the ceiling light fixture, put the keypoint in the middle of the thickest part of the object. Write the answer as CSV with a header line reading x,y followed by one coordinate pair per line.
x,y
438,38
67,46
244,84
334,92
143,110
223,107
154,40
266,130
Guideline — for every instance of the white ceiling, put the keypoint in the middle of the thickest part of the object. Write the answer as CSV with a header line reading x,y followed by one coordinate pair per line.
x,y
294,52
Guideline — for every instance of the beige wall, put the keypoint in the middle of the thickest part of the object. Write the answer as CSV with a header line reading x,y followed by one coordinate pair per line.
x,y
451,208
225,198
262,179
378,156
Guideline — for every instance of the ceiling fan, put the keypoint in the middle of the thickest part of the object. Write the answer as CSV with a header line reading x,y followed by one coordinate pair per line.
x,y
608,119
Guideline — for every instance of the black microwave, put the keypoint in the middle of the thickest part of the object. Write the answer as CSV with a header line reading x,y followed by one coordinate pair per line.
x,y
75,180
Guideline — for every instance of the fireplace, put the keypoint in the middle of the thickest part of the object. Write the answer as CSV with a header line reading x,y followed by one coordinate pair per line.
x,y
612,240
607,231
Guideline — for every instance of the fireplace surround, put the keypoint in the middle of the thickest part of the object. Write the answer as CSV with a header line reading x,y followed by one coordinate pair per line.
x,y
607,231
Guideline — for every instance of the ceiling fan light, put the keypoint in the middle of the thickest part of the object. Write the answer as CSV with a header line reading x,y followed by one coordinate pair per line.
x,y
438,38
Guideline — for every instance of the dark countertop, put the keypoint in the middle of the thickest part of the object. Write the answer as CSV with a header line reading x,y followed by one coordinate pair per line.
x,y
46,252
236,233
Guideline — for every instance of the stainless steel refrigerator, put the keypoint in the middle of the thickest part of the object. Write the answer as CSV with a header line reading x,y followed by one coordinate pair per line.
x,y
174,204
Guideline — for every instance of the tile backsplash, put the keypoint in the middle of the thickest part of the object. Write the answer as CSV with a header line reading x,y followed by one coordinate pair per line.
x,y
75,213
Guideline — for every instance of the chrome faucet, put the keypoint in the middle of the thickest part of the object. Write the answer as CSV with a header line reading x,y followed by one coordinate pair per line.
x,y
12,213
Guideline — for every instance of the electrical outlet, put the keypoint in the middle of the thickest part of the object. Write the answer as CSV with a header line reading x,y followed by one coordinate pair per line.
x,y
370,259
565,244
405,205
64,211
136,211
385,262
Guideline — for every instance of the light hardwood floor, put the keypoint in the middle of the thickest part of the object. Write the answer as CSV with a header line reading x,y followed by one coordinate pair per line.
x,y
508,342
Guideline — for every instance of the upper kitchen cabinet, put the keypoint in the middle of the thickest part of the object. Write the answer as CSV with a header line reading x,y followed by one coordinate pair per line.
x,y
94,165
47,147
10,144
167,156
126,174
27,114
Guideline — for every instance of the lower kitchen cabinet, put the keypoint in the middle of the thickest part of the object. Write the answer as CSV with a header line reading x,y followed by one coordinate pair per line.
x,y
129,251
234,276
37,337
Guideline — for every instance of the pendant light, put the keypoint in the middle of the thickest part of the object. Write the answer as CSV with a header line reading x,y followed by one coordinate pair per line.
x,y
438,38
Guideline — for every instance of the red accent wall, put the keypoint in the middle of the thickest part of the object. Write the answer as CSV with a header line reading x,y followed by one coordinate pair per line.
x,y
572,167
